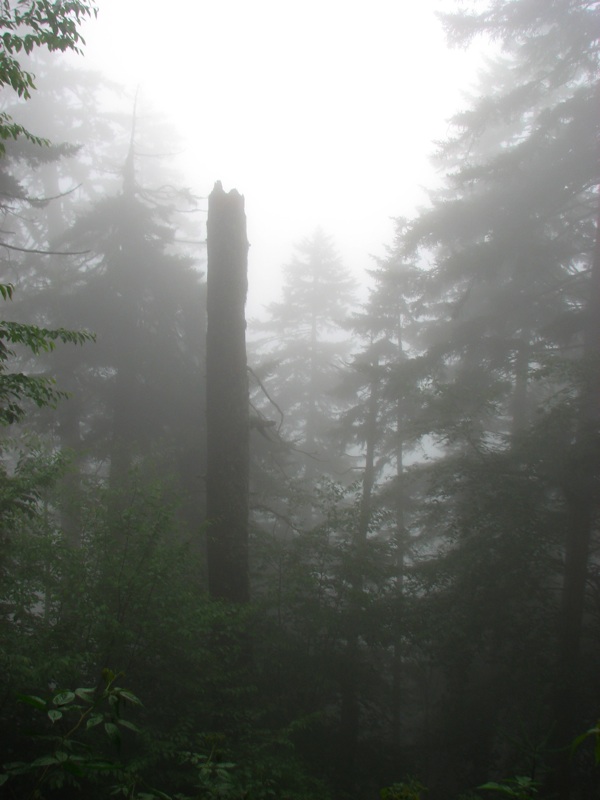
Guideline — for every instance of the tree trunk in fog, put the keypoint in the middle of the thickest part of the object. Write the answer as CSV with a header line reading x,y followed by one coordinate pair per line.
x,y
121,263
123,414
310,433
227,398
68,413
400,553
349,683
521,378
68,429
582,502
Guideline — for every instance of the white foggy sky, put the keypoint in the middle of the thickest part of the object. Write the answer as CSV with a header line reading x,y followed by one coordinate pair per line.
x,y
321,112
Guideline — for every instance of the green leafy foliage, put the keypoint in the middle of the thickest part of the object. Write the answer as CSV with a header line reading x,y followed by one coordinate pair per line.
x,y
521,787
139,604
17,387
27,25
6,290
83,748
593,734
69,753
20,486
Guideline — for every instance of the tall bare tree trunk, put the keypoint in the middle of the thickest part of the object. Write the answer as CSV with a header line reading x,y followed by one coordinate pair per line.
x,y
401,544
227,398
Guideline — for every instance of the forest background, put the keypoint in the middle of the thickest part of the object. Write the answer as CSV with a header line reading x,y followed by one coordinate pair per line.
x,y
424,465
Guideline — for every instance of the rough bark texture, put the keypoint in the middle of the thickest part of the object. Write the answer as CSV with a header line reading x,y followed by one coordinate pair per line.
x,y
227,398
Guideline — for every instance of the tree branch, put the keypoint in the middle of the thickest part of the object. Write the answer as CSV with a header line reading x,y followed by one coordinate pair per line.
x,y
44,252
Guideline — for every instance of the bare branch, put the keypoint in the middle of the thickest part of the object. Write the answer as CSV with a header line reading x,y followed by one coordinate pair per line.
x,y
276,514
268,396
44,252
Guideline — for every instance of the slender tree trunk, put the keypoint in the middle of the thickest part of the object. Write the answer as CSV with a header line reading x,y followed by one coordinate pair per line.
x,y
122,263
68,427
310,433
398,610
69,411
350,706
519,404
369,474
227,398
400,550
521,374
123,417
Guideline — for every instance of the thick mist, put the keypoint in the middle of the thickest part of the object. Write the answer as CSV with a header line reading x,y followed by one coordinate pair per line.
x,y
299,466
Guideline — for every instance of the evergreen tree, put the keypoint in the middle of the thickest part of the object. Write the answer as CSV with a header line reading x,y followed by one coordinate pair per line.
x,y
299,353
382,385
139,393
508,294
